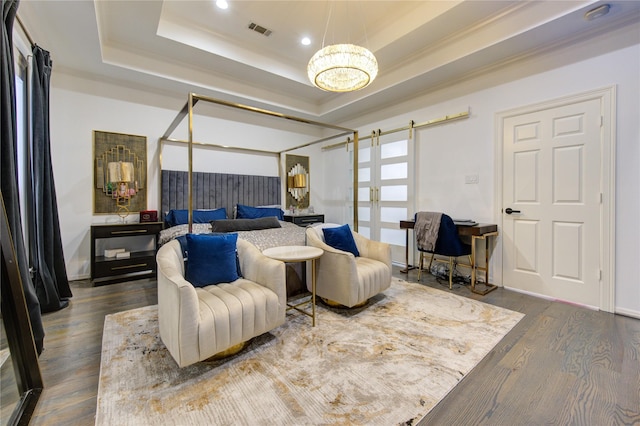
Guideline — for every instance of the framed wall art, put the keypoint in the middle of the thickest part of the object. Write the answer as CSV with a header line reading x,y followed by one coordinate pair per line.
x,y
120,173
297,181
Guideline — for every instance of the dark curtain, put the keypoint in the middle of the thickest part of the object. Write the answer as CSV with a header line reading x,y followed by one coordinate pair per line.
x,y
9,171
45,242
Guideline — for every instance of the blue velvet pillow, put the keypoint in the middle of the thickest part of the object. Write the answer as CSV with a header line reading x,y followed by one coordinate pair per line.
x,y
182,239
341,238
212,259
248,212
181,217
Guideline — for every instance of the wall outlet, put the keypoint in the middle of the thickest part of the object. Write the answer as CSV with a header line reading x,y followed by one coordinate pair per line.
x,y
471,178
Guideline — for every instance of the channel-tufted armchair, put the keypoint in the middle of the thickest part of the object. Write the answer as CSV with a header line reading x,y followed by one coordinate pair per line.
x,y
199,322
346,279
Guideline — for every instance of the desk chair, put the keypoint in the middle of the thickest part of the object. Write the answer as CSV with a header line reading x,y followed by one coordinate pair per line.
x,y
447,244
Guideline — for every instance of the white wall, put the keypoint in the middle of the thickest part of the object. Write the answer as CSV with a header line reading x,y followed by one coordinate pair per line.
x,y
446,153
80,106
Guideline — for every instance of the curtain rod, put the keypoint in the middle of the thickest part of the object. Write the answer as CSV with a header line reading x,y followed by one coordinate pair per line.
x,y
435,121
24,30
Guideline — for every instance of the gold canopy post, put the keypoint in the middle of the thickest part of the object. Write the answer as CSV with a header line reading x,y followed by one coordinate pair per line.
x,y
187,110
355,181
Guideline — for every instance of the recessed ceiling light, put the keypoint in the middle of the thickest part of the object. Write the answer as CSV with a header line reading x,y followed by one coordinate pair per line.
x,y
222,4
306,41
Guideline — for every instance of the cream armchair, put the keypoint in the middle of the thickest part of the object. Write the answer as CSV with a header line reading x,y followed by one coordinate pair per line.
x,y
197,323
348,280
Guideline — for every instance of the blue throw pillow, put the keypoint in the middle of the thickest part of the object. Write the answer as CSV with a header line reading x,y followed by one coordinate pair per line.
x,y
181,217
212,259
341,238
182,239
248,212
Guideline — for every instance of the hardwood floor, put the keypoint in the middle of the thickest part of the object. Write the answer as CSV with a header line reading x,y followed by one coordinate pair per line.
x,y
70,363
561,364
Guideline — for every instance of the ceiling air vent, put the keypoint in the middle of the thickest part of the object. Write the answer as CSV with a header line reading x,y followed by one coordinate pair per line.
x,y
259,29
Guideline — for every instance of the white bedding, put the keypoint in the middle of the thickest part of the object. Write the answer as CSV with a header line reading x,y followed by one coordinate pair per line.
x,y
288,235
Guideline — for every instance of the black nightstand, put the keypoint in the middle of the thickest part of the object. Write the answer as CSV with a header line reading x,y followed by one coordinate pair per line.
x,y
140,264
304,219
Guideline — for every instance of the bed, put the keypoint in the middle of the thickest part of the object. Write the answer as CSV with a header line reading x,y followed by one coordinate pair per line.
x,y
216,196
204,190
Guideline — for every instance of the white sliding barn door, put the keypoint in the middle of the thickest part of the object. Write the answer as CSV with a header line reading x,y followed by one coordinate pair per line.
x,y
552,202
385,190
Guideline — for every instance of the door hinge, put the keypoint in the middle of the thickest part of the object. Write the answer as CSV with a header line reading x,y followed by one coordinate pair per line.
x,y
599,274
601,121
601,198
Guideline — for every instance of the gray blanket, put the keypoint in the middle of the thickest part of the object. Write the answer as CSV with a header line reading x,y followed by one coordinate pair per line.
x,y
426,230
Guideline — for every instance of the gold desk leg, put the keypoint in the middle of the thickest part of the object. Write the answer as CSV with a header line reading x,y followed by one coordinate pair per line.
x,y
473,263
489,287
313,292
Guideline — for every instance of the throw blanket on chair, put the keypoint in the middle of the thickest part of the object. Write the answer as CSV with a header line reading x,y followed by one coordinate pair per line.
x,y
426,229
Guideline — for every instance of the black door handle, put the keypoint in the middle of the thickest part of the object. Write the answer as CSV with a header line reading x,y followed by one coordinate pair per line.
x,y
509,210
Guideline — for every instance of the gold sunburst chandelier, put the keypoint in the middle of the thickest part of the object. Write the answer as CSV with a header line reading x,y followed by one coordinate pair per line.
x,y
342,68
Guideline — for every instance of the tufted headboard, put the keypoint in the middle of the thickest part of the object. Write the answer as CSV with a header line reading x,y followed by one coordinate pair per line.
x,y
215,190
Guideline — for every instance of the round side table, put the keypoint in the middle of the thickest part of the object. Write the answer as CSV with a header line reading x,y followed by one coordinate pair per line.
x,y
293,254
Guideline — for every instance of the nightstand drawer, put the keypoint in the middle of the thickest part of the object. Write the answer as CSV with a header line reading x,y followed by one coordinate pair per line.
x,y
304,219
143,261
126,230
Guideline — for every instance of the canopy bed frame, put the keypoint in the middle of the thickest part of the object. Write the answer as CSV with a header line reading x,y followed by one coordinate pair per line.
x,y
228,190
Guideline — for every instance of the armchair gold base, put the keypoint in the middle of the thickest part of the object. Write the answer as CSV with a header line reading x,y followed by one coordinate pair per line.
x,y
335,304
228,352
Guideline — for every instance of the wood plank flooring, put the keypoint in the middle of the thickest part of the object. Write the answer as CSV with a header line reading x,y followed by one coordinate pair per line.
x,y
561,364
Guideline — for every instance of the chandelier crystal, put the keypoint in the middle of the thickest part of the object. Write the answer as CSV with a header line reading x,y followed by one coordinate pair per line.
x,y
342,68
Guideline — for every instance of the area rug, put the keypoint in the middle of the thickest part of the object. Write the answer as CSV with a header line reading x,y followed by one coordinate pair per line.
x,y
387,363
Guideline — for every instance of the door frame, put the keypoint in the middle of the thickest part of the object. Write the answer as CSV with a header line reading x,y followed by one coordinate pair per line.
x,y
607,98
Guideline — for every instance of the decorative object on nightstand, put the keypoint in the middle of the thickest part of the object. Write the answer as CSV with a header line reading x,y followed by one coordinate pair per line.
x,y
112,260
304,219
149,216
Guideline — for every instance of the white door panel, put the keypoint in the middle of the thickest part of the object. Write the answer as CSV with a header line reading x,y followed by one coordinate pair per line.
x,y
552,176
384,167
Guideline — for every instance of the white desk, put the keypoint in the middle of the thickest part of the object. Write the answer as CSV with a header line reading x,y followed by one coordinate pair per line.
x,y
292,254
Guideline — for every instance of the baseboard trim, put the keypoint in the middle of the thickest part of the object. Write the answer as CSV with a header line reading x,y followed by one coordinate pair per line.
x,y
80,277
553,299
628,313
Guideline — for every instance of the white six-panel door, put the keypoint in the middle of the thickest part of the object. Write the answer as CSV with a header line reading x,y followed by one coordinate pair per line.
x,y
552,202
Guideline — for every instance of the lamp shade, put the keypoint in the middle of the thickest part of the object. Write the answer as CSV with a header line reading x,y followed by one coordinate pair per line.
x,y
120,171
342,68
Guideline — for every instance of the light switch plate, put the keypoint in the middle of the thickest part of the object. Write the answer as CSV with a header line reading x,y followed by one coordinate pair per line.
x,y
471,178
